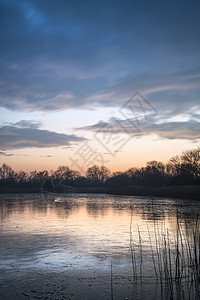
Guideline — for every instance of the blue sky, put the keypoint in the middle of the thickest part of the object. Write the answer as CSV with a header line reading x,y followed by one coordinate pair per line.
x,y
68,66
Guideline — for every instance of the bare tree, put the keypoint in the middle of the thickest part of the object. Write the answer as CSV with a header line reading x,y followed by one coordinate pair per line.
x,y
96,173
186,164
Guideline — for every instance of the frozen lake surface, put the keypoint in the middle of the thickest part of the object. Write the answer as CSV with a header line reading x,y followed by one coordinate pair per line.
x,y
88,246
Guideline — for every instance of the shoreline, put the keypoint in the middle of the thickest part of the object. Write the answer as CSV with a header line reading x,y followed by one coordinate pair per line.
x,y
179,192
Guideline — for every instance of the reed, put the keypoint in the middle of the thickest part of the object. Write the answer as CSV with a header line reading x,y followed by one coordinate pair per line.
x,y
175,257
111,280
132,251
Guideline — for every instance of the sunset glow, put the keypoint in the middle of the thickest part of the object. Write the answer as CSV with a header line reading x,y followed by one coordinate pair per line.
x,y
68,72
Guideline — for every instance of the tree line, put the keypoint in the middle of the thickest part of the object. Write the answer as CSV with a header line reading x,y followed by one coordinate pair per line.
x,y
181,169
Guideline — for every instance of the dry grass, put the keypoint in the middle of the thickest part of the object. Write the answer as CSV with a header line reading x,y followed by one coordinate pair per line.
x,y
175,257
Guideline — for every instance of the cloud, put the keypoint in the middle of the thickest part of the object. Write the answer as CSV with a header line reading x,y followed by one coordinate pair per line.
x,y
170,93
12,137
174,130
97,54
189,130
2,153
27,124
5,154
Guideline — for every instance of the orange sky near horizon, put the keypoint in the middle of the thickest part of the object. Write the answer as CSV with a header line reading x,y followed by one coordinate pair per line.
x,y
70,73
134,154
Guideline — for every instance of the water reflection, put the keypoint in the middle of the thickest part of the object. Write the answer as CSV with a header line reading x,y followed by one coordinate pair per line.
x,y
145,208
29,213
82,232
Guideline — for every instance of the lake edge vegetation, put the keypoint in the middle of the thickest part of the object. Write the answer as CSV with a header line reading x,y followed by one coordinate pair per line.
x,y
179,178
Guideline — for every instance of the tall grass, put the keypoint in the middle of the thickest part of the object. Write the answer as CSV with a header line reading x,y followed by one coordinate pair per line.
x,y
175,257
111,281
133,253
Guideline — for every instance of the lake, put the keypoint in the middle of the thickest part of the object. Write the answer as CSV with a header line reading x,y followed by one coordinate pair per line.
x,y
92,246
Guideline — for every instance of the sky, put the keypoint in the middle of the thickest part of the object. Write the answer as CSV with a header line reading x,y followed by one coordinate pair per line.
x,y
114,83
